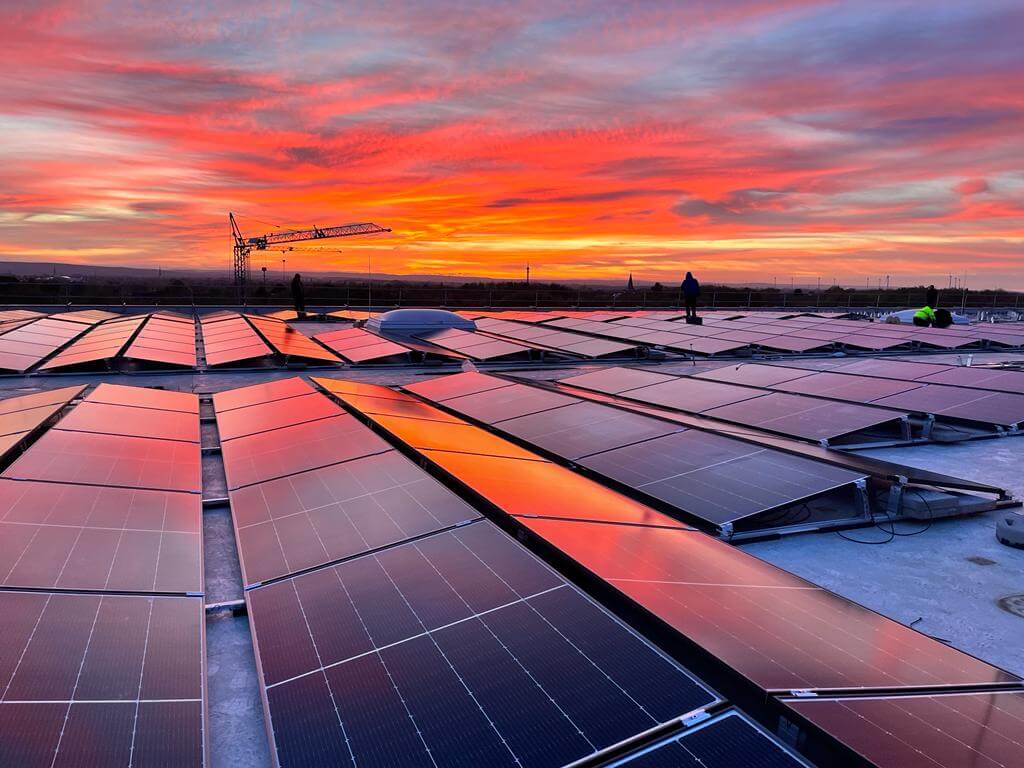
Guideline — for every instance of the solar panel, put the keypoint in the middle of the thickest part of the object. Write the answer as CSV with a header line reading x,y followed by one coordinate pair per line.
x,y
101,680
356,345
145,397
102,342
715,478
960,403
444,388
93,459
108,419
776,630
808,418
309,519
613,380
165,340
861,389
81,537
346,387
507,402
725,741
289,342
371,662
692,395
267,392
512,486
578,430
752,374
263,417
427,434
289,450
982,378
941,731
24,421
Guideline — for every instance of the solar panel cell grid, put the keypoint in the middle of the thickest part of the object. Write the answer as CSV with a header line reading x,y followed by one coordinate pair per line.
x,y
58,536
313,518
93,459
79,668
508,402
108,419
264,417
976,729
289,342
290,450
469,628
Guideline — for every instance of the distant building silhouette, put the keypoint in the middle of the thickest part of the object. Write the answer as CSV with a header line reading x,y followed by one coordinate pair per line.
x,y
629,285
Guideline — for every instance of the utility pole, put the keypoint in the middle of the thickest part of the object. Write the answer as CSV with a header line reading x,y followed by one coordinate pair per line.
x,y
527,273
283,278
264,279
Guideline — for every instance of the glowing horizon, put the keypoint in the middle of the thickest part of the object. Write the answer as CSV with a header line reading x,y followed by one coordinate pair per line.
x,y
745,141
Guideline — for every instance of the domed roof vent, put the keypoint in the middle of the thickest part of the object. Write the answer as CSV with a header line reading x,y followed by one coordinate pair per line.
x,y
413,322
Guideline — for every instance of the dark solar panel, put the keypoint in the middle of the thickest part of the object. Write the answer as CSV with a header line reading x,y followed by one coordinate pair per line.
x,y
93,459
960,403
942,731
309,519
860,389
775,629
982,378
107,419
290,450
263,417
614,380
584,428
372,662
727,741
86,677
692,395
808,418
752,374
57,536
507,402
716,478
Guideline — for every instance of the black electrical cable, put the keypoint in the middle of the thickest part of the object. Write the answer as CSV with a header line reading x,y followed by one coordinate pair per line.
x,y
891,531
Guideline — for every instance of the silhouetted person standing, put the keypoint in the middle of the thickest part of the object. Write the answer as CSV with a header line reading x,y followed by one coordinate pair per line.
x,y
298,297
932,298
691,291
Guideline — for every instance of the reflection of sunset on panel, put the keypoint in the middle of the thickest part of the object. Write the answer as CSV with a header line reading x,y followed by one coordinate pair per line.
x,y
745,140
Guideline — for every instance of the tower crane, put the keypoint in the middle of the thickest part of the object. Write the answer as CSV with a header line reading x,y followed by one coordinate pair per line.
x,y
244,245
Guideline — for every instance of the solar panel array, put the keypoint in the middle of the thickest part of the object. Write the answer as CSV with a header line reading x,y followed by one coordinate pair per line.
x,y
167,339
100,343
711,477
288,342
110,670
356,345
474,345
229,338
949,393
805,417
21,417
555,340
27,343
389,612
781,634
732,332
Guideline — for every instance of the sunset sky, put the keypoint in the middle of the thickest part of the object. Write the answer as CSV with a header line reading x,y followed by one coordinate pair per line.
x,y
743,140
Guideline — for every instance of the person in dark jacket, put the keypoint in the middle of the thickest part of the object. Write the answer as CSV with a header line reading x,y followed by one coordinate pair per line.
x,y
932,298
691,291
298,297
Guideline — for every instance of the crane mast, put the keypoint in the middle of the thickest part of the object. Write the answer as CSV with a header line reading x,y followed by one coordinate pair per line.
x,y
243,245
